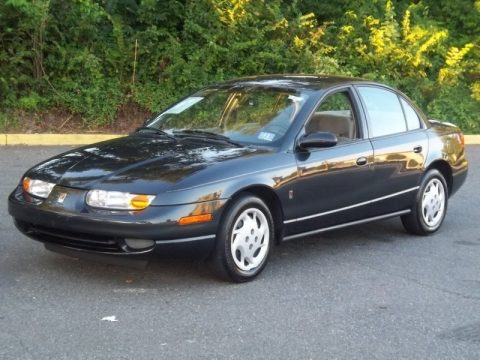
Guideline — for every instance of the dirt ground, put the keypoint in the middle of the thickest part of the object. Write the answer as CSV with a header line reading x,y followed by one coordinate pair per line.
x,y
128,117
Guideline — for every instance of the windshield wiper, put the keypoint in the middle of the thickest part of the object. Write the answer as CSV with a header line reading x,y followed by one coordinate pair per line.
x,y
155,131
206,135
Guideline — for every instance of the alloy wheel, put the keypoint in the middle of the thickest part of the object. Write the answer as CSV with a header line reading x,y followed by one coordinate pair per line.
x,y
433,203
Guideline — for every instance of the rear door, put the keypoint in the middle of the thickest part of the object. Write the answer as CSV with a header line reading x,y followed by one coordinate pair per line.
x,y
400,146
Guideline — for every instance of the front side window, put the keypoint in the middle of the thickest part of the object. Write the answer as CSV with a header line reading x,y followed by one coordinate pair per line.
x,y
258,115
384,111
334,114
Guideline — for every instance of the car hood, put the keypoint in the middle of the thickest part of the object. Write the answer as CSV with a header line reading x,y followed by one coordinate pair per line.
x,y
137,163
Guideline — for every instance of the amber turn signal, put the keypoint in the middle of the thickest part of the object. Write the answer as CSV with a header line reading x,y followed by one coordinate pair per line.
x,y
140,202
26,184
195,219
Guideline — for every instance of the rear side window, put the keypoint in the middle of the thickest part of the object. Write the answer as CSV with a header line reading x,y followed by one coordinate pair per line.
x,y
413,122
384,111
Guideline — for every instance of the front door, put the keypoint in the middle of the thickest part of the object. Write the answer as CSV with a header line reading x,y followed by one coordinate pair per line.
x,y
334,183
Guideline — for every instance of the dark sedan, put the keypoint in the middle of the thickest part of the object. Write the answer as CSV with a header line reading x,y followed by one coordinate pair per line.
x,y
240,166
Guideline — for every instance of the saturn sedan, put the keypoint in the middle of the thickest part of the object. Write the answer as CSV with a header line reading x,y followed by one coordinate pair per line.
x,y
241,166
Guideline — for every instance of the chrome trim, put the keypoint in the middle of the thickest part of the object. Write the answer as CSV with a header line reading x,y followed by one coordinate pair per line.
x,y
176,241
351,206
357,222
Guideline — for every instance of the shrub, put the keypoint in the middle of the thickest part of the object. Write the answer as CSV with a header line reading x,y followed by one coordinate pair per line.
x,y
91,56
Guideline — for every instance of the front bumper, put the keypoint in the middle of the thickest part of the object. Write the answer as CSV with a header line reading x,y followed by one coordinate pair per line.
x,y
73,225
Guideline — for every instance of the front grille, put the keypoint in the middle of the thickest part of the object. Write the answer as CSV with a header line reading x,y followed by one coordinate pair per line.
x,y
72,239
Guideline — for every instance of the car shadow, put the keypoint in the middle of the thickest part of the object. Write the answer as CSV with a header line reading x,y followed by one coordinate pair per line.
x,y
339,241
179,271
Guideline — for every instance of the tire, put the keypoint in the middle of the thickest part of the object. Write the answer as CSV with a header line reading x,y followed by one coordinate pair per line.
x,y
244,239
430,206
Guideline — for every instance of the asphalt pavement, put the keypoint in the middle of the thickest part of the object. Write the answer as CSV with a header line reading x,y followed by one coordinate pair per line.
x,y
365,292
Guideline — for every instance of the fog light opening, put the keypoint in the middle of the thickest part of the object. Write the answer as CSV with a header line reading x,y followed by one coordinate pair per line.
x,y
139,244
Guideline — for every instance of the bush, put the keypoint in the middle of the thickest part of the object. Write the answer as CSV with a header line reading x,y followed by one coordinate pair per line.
x,y
454,104
91,56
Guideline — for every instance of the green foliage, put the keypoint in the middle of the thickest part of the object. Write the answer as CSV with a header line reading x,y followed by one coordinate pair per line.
x,y
30,102
408,50
452,104
91,56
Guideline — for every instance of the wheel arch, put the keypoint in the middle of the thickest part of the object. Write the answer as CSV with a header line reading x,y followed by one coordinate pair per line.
x,y
271,199
444,168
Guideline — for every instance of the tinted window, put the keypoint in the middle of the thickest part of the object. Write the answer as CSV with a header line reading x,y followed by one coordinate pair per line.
x,y
413,122
384,111
335,115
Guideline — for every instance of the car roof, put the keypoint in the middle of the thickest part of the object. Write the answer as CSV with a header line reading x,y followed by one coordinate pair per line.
x,y
295,81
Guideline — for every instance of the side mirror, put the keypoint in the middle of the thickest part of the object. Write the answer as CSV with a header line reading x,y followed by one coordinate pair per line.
x,y
317,140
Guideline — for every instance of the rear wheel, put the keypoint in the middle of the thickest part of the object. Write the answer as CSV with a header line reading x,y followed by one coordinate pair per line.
x,y
430,206
244,239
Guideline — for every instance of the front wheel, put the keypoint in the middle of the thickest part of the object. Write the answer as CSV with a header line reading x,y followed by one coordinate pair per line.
x,y
244,239
430,206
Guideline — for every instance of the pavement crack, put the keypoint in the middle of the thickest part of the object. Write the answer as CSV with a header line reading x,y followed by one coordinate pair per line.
x,y
470,332
421,283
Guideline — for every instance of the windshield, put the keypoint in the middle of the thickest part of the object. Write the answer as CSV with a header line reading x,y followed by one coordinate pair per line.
x,y
255,115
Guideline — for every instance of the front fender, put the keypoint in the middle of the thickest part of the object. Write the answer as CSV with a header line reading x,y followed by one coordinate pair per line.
x,y
276,177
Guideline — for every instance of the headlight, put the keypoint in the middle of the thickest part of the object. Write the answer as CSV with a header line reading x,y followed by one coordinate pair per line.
x,y
37,188
116,200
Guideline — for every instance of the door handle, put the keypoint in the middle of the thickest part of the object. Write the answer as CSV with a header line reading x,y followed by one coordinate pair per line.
x,y
417,149
362,161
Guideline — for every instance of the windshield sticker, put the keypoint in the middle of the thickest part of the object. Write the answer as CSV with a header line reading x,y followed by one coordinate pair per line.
x,y
266,136
184,105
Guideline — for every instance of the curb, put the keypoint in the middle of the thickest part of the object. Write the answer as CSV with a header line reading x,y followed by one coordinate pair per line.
x,y
55,139
82,139
472,139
